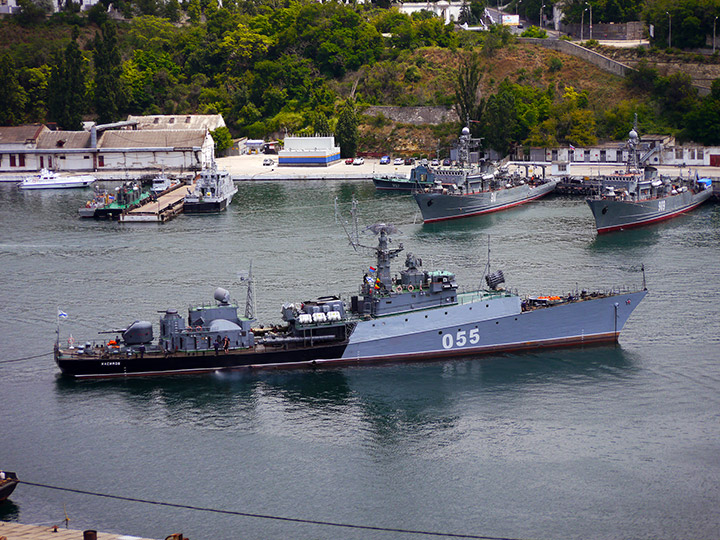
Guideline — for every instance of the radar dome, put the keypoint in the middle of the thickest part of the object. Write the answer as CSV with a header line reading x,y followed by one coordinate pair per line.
x,y
633,134
466,130
222,295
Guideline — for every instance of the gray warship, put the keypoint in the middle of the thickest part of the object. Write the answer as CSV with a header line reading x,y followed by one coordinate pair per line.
x,y
466,191
639,196
214,189
414,315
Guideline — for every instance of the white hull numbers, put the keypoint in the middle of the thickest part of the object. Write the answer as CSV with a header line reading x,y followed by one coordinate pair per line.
x,y
461,338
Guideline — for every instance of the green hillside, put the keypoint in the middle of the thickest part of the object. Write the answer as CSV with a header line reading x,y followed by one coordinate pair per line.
x,y
271,69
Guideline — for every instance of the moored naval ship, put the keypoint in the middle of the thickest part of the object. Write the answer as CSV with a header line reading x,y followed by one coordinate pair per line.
x,y
415,315
214,189
639,196
465,191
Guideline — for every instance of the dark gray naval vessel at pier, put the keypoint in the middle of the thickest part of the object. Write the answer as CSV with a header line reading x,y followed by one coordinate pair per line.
x,y
638,196
213,191
465,191
418,314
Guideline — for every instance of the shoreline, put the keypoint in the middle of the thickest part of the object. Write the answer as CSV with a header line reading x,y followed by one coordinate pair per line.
x,y
249,168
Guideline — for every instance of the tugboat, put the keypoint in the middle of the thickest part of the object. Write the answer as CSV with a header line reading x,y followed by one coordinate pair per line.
x,y
466,191
109,205
8,482
415,315
638,196
214,189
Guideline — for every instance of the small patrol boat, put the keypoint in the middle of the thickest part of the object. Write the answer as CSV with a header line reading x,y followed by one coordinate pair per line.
x,y
639,196
414,315
214,189
8,483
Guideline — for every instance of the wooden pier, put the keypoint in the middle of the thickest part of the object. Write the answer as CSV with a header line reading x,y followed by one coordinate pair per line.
x,y
18,531
164,207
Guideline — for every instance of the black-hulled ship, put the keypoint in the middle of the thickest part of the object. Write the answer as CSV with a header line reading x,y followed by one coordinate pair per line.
x,y
417,314
639,196
214,189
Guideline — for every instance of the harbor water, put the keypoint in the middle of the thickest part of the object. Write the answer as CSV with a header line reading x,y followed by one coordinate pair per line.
x,y
606,442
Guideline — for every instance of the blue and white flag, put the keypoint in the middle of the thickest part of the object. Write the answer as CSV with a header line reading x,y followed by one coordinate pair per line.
x,y
62,314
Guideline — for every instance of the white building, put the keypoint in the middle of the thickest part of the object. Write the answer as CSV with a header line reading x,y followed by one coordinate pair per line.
x,y
25,149
309,151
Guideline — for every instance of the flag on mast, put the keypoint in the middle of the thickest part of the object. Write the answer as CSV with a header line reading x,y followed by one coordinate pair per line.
x,y
62,314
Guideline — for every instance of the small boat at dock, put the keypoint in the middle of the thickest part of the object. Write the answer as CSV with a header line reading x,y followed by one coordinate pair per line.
x,y
8,483
47,179
213,191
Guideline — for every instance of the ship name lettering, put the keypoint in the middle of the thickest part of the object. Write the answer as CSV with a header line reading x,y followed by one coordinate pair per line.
x,y
105,364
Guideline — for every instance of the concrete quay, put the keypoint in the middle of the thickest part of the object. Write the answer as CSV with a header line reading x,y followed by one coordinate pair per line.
x,y
18,531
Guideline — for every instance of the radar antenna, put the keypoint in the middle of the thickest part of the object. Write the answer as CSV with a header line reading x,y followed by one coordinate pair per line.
x,y
250,299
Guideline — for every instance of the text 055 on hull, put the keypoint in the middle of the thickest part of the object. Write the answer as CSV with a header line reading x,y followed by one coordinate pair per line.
x,y
416,314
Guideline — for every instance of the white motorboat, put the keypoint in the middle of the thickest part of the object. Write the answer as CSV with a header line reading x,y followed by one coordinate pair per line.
x,y
52,180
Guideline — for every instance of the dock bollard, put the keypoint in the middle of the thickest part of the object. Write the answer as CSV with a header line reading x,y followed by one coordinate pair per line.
x,y
90,535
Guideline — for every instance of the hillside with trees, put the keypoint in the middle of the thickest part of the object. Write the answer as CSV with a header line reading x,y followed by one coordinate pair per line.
x,y
272,68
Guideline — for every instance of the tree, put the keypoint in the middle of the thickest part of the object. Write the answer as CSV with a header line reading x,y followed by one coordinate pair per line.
x,y
346,133
468,103
321,124
67,81
223,139
108,71
12,95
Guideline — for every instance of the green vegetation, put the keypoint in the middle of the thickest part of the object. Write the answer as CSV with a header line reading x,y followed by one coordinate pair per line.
x,y
304,67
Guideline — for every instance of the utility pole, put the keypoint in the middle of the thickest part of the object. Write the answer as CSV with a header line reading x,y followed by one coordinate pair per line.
x,y
590,5
714,22
669,29
582,23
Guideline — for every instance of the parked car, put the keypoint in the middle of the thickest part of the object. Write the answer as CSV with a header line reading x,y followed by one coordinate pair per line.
x,y
384,160
434,163
446,162
268,161
349,161
358,161
409,161
398,161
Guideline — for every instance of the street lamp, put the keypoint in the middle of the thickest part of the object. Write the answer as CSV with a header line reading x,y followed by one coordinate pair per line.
x,y
669,29
590,6
542,7
714,22
582,23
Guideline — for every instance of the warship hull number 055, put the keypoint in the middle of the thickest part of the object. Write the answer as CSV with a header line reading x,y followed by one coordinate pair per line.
x,y
415,315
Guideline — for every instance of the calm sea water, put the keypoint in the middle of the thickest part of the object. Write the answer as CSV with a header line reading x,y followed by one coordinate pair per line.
x,y
605,442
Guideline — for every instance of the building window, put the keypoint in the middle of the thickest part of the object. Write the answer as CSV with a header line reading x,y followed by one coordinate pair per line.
x,y
678,153
101,161
22,160
172,120
156,121
49,162
12,160
700,153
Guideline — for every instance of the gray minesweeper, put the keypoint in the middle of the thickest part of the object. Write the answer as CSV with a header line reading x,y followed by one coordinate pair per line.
x,y
638,196
214,189
466,191
415,315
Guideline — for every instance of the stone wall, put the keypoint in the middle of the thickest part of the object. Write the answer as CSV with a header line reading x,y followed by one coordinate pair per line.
x,y
414,115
